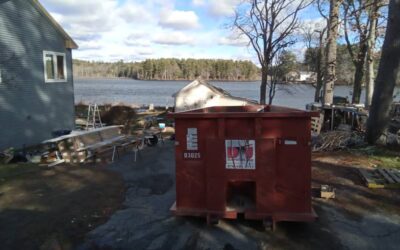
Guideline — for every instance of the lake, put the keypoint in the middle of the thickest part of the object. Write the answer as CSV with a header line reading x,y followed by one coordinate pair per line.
x,y
102,91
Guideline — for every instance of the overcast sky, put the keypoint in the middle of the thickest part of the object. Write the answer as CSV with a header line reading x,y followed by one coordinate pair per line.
x,y
134,30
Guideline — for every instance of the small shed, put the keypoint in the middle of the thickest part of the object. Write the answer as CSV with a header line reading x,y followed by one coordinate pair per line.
x,y
201,94
301,76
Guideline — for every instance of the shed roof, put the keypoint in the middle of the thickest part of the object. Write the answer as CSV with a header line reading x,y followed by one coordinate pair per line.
x,y
69,42
213,88
201,82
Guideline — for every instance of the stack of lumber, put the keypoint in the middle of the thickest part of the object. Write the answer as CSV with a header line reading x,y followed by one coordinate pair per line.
x,y
88,146
67,148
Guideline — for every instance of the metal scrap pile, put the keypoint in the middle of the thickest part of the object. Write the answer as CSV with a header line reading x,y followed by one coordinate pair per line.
x,y
336,140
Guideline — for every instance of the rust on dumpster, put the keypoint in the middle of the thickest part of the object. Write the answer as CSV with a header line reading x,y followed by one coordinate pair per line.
x,y
250,160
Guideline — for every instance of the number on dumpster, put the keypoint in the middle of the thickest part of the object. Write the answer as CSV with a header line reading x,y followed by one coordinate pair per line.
x,y
191,155
240,154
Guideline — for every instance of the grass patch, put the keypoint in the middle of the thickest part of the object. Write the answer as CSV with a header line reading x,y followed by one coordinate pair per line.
x,y
380,156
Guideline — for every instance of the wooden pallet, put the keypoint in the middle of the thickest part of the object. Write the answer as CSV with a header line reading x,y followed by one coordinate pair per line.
x,y
316,124
381,178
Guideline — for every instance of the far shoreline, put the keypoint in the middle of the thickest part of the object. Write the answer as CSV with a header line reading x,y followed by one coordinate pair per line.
x,y
190,80
158,80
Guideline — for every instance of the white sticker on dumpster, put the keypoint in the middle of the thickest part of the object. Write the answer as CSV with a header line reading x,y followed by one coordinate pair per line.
x,y
191,139
240,154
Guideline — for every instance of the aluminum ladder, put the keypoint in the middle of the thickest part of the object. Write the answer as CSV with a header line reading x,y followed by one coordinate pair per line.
x,y
93,118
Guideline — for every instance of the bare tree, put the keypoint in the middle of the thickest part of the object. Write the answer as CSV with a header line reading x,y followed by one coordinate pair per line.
x,y
389,69
356,24
374,14
331,51
314,38
360,21
282,65
320,66
275,74
309,35
269,26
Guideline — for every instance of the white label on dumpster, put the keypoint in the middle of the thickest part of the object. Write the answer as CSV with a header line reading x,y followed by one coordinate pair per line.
x,y
240,154
290,142
191,139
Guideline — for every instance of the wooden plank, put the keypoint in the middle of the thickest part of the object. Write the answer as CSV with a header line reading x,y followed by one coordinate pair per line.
x,y
56,163
386,176
395,175
375,185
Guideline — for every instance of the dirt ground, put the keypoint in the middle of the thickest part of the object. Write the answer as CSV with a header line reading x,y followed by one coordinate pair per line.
x,y
359,218
42,208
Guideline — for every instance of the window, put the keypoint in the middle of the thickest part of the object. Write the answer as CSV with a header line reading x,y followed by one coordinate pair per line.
x,y
55,68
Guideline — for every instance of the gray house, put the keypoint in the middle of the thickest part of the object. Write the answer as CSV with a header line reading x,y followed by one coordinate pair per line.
x,y
36,84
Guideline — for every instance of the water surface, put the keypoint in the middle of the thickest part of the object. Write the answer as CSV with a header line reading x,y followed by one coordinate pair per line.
x,y
160,93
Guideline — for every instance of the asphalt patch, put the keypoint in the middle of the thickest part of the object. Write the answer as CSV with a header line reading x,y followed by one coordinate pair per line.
x,y
155,184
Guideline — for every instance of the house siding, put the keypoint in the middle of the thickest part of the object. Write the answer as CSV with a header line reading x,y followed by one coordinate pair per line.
x,y
30,109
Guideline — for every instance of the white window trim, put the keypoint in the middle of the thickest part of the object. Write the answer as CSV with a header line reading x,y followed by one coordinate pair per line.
x,y
55,54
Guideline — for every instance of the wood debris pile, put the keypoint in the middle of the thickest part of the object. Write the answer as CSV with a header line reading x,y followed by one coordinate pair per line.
x,y
336,140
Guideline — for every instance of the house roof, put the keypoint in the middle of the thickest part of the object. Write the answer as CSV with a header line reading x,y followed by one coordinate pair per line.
x,y
69,42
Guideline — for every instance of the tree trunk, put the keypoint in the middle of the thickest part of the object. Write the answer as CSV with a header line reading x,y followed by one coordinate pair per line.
x,y
359,73
272,91
389,68
331,49
271,94
264,83
317,96
369,87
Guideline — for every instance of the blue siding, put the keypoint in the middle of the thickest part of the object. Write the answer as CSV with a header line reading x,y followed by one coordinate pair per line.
x,y
30,109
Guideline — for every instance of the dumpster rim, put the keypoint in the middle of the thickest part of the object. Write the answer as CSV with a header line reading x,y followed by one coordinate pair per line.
x,y
286,113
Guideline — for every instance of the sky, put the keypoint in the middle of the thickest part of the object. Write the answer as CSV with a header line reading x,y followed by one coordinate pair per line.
x,y
134,30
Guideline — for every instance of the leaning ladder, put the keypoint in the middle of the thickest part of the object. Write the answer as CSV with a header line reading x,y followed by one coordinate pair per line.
x,y
93,118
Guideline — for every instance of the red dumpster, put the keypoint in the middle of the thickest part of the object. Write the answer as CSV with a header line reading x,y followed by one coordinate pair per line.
x,y
249,160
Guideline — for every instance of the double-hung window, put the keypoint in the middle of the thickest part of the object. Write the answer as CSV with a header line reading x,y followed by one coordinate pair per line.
x,y
55,67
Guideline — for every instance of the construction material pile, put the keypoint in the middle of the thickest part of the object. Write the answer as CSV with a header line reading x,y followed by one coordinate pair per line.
x,y
336,140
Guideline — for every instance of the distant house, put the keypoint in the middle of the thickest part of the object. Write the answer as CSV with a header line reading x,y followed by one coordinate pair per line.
x,y
36,84
301,76
200,94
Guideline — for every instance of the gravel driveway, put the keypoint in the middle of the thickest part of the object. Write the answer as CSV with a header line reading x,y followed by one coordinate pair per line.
x,y
145,222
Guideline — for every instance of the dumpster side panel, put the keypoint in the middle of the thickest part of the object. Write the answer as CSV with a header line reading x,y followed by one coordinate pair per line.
x,y
191,163
285,127
215,178
293,153
239,128
265,175
291,188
